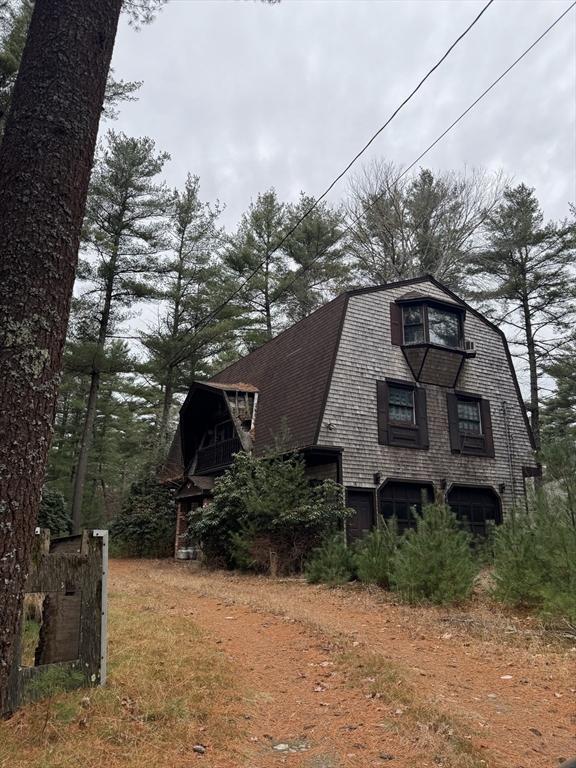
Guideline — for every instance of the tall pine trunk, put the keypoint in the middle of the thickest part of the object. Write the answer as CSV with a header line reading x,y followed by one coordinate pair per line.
x,y
45,160
84,451
90,416
164,431
533,372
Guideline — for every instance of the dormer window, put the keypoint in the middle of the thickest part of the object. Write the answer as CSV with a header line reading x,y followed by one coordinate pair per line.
x,y
445,327
413,324
433,324
430,331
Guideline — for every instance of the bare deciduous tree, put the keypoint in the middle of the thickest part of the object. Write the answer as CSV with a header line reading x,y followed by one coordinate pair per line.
x,y
406,225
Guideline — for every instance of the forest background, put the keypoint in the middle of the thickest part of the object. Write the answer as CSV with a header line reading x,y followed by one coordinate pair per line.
x,y
166,294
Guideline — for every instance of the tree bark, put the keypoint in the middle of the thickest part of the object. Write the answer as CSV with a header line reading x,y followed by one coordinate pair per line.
x,y
533,373
45,160
90,417
164,432
83,452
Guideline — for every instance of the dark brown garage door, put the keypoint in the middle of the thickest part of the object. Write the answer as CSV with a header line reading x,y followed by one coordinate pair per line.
x,y
475,507
399,500
363,520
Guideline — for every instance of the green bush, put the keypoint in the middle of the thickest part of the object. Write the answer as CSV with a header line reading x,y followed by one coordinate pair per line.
x,y
266,516
332,563
146,525
52,513
434,561
535,557
374,554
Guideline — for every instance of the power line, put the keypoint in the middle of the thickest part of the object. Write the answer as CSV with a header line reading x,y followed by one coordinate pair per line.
x,y
442,135
348,228
332,184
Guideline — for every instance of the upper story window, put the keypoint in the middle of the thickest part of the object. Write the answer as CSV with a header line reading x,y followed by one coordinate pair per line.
x,y
444,327
433,324
469,419
402,414
470,424
401,404
413,324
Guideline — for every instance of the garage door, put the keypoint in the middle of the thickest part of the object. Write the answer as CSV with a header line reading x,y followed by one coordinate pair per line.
x,y
475,507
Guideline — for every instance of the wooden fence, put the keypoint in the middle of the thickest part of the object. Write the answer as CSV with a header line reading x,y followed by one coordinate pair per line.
x,y
63,626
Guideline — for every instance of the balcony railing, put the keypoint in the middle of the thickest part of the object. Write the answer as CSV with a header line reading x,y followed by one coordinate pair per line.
x,y
218,455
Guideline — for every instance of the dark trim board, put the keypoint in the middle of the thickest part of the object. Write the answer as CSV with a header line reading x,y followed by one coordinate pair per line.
x,y
485,486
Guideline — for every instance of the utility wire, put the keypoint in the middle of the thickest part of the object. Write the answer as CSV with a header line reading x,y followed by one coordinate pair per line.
x,y
348,228
319,199
440,137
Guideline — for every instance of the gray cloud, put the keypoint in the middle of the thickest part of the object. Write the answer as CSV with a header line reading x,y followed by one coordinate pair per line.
x,y
250,96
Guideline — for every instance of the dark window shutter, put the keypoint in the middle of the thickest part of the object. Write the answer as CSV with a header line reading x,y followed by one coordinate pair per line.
x,y
382,407
421,417
396,334
452,403
487,428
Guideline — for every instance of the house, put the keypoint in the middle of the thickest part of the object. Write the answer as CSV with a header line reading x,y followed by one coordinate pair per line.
x,y
401,392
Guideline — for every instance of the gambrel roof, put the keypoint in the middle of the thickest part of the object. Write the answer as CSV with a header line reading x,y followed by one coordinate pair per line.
x,y
292,371
292,374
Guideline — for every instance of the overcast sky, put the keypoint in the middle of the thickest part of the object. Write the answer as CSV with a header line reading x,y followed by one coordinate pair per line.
x,y
249,95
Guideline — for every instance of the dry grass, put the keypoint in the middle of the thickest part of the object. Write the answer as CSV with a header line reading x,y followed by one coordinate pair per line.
x,y
411,718
168,691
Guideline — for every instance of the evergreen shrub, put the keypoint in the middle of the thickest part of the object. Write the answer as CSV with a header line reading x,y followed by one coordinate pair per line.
x,y
374,554
332,563
266,516
146,525
434,562
535,557
53,514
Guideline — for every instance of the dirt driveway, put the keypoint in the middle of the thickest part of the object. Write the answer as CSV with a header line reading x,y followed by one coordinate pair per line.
x,y
335,678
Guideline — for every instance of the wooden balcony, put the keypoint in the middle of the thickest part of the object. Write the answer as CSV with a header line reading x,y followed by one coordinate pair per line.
x,y
217,456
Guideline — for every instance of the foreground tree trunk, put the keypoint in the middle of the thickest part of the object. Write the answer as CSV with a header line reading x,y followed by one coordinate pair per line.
x,y
45,160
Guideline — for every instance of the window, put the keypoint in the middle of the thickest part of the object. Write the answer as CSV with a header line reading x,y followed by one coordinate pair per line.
x,y
401,404
444,327
426,322
413,324
470,424
469,421
402,416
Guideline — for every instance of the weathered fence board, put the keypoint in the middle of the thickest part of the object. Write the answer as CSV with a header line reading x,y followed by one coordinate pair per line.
x,y
71,576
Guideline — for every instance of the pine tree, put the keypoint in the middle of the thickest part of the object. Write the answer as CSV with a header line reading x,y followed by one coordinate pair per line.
x,y
559,409
45,158
252,250
526,269
192,286
124,234
316,258
13,33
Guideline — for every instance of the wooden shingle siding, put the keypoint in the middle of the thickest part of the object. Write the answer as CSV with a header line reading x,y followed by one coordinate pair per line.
x,y
366,355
